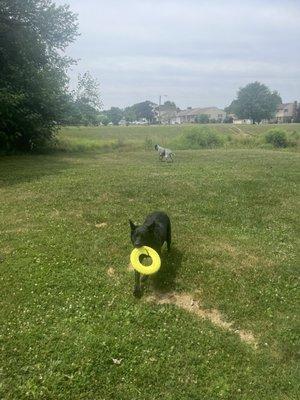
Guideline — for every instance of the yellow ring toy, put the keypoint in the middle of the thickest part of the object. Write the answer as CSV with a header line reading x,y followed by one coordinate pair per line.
x,y
138,266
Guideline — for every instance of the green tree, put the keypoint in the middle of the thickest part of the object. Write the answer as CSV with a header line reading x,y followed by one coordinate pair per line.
x,y
84,103
102,119
169,105
33,79
115,114
129,114
231,109
88,91
255,101
202,119
145,110
87,103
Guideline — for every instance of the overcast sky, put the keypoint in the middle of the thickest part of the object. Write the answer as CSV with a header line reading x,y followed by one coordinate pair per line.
x,y
196,52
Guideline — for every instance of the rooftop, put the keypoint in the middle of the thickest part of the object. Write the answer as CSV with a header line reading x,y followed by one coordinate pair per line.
x,y
198,111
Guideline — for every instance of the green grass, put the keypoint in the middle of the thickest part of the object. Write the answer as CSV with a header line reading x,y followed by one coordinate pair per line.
x,y
67,308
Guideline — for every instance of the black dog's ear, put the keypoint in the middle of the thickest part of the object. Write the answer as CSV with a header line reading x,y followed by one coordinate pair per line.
x,y
132,226
151,226
155,147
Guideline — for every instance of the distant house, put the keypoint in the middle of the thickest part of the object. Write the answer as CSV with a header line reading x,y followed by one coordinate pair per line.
x,y
166,116
189,115
140,121
165,113
286,112
237,121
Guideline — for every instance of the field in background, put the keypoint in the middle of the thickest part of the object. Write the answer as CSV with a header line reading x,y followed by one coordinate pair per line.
x,y
178,137
69,325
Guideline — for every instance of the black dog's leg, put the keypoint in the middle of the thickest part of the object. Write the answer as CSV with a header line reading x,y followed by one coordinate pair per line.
x,y
169,238
137,284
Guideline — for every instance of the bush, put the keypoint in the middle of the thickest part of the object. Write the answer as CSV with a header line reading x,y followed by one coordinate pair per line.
x,y
202,139
277,138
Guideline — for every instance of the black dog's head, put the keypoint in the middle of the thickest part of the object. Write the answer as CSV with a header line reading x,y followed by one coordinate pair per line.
x,y
156,147
141,235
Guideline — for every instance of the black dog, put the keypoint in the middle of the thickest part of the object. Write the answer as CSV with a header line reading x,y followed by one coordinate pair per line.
x,y
153,233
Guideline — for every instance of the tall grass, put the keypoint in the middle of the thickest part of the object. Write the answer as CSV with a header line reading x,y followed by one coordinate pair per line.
x,y
107,139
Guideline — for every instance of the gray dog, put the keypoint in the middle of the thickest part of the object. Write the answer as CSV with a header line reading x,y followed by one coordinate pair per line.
x,y
164,154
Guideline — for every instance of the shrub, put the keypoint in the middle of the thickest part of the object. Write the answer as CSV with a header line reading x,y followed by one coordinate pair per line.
x,y
203,138
277,138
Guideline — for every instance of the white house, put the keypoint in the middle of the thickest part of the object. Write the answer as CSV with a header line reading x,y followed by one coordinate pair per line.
x,y
189,115
242,121
286,112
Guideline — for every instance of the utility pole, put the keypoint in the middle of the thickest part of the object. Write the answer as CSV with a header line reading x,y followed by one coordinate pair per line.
x,y
159,105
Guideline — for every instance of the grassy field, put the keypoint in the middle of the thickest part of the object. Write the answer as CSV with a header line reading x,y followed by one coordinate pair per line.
x,y
130,138
218,321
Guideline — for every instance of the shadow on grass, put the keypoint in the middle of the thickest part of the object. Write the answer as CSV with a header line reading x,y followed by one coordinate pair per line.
x,y
165,279
27,168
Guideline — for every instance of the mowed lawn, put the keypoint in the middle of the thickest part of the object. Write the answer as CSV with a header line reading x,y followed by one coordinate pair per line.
x,y
70,326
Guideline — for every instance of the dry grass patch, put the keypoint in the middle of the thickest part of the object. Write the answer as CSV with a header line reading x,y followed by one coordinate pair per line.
x,y
111,272
101,225
188,303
